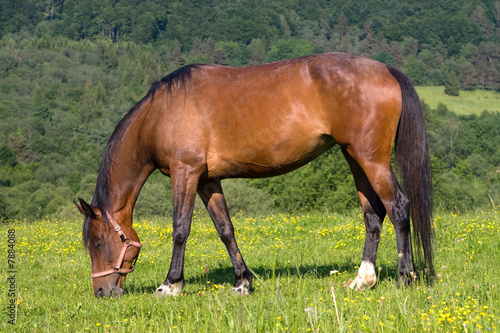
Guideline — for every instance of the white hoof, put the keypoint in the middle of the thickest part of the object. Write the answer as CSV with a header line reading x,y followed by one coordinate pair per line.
x,y
173,289
243,289
366,277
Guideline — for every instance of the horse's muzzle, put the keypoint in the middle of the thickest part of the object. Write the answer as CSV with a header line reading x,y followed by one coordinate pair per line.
x,y
108,292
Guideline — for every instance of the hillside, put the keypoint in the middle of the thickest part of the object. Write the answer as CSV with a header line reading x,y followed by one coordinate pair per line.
x,y
71,70
468,102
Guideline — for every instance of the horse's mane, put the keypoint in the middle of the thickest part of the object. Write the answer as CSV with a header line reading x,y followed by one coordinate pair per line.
x,y
176,79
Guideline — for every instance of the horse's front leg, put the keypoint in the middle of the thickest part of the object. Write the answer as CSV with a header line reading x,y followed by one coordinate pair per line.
x,y
184,185
210,192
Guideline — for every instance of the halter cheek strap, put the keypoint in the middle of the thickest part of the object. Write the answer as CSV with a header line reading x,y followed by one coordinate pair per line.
x,y
126,242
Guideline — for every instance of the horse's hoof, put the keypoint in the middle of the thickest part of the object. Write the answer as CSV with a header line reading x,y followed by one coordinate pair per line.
x,y
173,289
359,284
242,290
366,278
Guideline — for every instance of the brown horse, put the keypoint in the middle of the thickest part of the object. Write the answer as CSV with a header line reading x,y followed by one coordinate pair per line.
x,y
204,123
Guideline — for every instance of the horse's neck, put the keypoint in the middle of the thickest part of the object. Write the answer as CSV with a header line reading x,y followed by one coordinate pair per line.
x,y
128,172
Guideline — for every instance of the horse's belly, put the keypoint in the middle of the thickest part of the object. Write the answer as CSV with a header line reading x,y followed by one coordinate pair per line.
x,y
247,160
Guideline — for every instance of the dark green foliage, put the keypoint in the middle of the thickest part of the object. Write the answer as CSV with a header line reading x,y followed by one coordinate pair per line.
x,y
70,70
155,198
466,159
7,156
451,84
18,15
73,181
289,48
415,69
3,207
385,58
325,184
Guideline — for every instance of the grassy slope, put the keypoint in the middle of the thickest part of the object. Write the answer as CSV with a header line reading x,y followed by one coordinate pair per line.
x,y
293,256
468,102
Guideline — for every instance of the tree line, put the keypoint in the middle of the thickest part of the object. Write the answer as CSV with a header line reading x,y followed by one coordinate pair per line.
x,y
71,69
434,41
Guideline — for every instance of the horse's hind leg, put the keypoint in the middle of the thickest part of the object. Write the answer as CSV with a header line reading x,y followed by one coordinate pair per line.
x,y
184,184
374,213
378,171
211,193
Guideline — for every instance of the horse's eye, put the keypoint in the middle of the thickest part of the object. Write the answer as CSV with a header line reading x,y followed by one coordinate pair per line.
x,y
99,244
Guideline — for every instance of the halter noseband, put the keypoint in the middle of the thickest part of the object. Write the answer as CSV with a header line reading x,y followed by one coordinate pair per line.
x,y
126,241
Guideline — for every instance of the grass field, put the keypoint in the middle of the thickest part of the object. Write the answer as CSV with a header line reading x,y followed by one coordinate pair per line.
x,y
292,256
469,102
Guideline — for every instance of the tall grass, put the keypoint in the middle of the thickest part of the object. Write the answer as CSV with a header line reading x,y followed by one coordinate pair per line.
x,y
301,264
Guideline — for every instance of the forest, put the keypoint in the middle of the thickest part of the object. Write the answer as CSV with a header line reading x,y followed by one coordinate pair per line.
x,y
71,69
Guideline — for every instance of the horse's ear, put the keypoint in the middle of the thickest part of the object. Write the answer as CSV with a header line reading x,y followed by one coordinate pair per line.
x,y
86,209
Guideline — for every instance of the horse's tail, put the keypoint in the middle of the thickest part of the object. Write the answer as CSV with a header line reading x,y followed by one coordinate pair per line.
x,y
414,164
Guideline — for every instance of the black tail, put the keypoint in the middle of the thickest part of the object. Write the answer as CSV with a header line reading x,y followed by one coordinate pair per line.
x,y
414,164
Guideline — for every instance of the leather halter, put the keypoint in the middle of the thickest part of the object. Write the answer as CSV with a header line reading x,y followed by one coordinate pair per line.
x,y
126,241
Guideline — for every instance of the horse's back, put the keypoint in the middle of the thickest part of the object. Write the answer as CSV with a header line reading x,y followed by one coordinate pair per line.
x,y
271,118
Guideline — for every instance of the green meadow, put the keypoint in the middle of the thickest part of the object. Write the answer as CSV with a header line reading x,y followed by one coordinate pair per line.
x,y
468,102
300,261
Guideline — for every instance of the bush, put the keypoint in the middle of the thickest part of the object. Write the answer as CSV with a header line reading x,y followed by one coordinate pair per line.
x,y
451,84
242,198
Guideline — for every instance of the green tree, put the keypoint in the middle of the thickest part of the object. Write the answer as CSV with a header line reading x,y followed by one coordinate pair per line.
x,y
453,193
464,170
7,156
385,58
451,84
428,58
18,15
257,51
367,44
289,48
236,54
415,69
325,183
468,76
41,118
73,181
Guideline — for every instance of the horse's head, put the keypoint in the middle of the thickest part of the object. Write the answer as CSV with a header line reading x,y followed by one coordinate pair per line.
x,y
113,250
